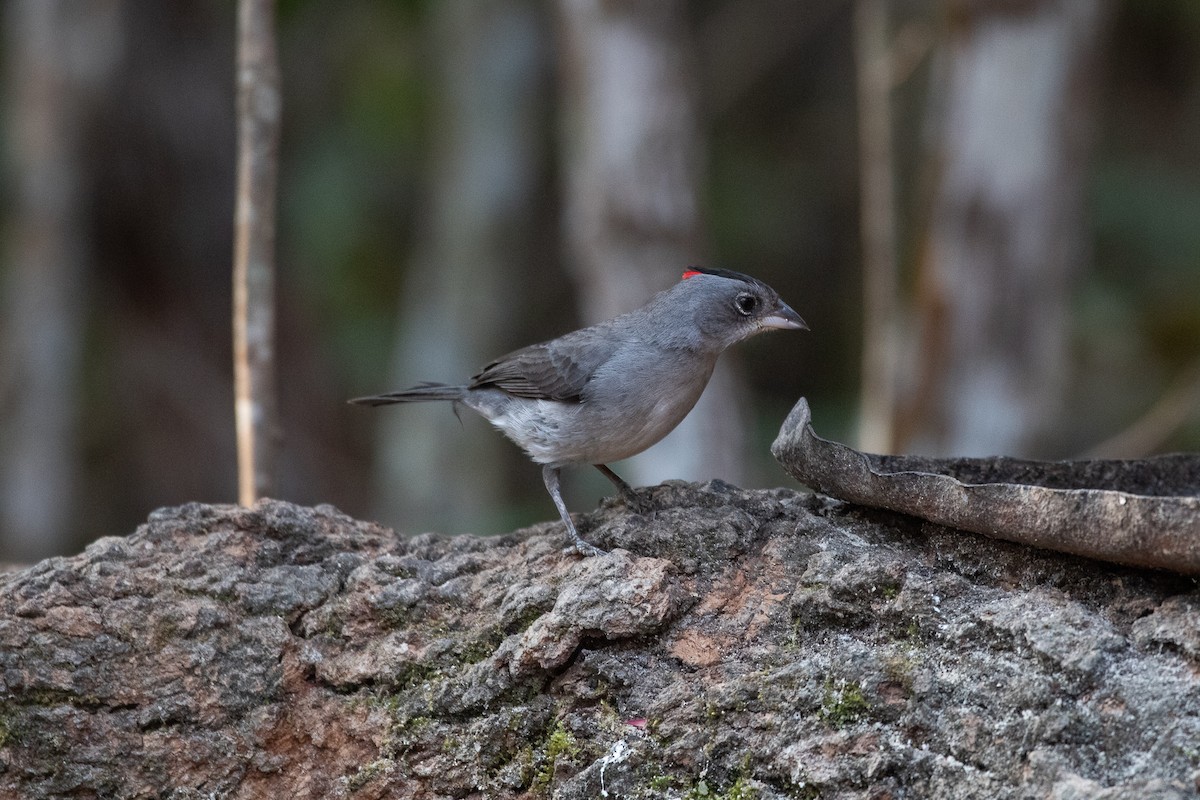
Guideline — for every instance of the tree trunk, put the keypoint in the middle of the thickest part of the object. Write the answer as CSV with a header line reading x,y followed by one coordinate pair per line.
x,y
1006,237
633,155
58,52
467,286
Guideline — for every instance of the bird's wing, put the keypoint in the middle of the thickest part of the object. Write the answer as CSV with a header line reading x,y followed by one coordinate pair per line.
x,y
555,370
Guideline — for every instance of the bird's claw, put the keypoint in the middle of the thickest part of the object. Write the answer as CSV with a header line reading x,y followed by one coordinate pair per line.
x,y
584,549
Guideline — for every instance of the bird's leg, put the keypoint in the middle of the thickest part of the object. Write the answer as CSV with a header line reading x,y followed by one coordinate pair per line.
x,y
550,476
628,495
622,487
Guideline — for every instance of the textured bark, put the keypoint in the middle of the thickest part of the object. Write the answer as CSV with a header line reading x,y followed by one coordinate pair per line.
x,y
633,162
735,644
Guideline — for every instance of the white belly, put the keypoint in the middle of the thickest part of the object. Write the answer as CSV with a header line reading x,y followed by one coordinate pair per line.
x,y
583,433
610,424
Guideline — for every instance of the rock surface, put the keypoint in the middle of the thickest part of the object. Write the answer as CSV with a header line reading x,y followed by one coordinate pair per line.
x,y
736,644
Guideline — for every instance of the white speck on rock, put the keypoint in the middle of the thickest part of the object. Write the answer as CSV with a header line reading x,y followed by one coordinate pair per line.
x,y
615,755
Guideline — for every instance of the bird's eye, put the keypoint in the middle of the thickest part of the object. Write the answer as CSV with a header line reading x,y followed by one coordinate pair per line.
x,y
746,303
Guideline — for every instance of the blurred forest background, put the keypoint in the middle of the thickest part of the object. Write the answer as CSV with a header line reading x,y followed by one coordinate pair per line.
x,y
988,211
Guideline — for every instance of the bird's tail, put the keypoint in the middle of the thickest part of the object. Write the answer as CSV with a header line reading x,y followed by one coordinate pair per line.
x,y
420,393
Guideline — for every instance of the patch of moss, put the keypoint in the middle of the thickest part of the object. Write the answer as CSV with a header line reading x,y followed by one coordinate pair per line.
x,y
8,727
404,734
524,758
899,669
226,596
369,772
415,673
473,652
525,619
738,790
843,703
560,743
392,618
659,783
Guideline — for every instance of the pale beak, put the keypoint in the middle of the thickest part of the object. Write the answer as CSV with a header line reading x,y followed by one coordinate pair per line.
x,y
784,319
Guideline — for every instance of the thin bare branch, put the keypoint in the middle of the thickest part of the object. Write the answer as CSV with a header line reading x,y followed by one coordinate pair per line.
x,y
259,107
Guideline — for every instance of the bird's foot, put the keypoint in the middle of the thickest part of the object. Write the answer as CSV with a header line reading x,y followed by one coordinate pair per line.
x,y
584,548
550,476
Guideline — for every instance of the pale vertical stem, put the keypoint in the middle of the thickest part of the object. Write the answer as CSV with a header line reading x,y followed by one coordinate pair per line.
x,y
878,227
259,106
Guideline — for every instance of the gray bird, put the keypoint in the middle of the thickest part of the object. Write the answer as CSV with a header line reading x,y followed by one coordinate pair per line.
x,y
611,390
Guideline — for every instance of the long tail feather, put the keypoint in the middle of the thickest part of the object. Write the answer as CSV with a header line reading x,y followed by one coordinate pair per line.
x,y
417,394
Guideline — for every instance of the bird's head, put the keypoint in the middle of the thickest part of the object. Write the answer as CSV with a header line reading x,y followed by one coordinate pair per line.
x,y
727,307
